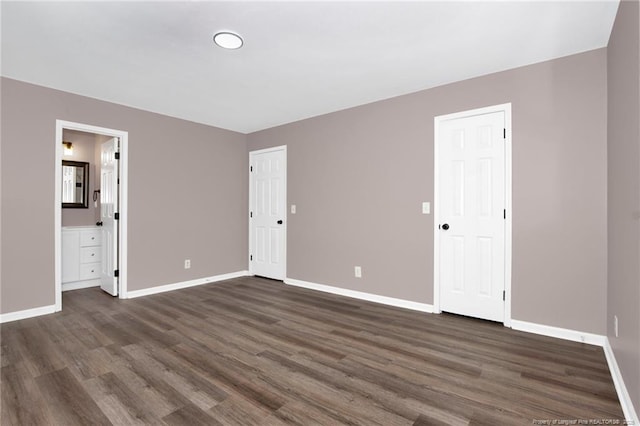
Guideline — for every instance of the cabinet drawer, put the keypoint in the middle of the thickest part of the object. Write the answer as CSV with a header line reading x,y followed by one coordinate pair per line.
x,y
89,271
91,238
90,254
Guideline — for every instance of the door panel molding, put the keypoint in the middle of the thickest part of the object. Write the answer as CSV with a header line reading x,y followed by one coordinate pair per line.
x,y
506,109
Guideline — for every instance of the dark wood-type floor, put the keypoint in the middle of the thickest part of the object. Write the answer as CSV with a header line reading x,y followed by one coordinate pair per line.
x,y
254,351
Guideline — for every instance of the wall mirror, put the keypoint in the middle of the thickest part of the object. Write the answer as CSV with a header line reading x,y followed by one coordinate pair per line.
x,y
75,184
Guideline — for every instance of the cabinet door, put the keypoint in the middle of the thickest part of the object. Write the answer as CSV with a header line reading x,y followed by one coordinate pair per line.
x,y
70,256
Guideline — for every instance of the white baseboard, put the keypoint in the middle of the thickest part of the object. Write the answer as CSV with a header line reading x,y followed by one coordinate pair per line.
x,y
185,284
77,285
593,339
623,395
544,330
560,333
27,313
401,303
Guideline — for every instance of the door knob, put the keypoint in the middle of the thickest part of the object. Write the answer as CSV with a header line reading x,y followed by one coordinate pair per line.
x,y
445,226
279,222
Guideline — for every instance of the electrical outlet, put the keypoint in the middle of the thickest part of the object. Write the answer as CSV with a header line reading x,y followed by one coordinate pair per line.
x,y
187,263
615,325
358,271
293,209
426,207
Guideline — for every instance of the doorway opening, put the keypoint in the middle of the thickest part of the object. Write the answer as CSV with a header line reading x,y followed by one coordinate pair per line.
x,y
473,213
96,256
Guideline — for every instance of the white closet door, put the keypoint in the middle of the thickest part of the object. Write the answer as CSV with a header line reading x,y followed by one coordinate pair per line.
x,y
268,214
472,215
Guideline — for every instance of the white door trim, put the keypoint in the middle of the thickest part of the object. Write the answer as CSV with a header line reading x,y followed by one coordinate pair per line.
x,y
251,190
61,125
506,108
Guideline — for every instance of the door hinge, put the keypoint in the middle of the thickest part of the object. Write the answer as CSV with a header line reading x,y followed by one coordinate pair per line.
x,y
504,295
116,273
251,169
250,214
251,257
504,133
116,216
504,213
117,155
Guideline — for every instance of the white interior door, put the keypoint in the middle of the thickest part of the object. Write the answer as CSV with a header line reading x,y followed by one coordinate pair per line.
x,y
472,212
108,209
267,216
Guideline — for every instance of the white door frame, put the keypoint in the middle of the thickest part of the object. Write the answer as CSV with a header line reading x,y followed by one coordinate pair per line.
x,y
62,125
506,108
251,190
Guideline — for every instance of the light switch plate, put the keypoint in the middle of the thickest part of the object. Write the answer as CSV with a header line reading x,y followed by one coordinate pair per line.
x,y
293,209
426,207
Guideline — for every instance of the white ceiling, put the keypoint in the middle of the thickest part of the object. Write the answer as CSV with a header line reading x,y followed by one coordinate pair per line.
x,y
300,59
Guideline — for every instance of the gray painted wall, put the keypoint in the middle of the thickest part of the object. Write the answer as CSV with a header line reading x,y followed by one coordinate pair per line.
x,y
623,295
187,193
359,176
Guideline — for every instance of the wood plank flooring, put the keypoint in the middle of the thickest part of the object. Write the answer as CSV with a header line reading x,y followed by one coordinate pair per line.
x,y
252,351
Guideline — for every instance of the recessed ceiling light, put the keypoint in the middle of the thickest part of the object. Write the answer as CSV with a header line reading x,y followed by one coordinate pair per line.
x,y
228,40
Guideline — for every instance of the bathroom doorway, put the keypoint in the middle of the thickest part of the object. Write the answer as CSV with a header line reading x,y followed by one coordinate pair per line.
x,y
90,229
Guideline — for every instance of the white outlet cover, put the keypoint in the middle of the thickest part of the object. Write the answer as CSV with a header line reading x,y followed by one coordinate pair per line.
x,y
358,272
426,207
293,209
